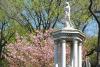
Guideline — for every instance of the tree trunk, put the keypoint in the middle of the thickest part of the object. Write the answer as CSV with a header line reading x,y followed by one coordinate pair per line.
x,y
98,22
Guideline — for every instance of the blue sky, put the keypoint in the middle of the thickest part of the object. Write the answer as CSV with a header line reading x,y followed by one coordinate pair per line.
x,y
92,28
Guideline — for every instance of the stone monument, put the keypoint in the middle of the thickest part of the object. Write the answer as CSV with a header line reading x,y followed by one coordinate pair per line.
x,y
68,35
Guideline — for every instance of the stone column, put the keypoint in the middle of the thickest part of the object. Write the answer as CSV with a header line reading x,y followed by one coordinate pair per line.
x,y
59,54
63,53
80,55
56,55
75,53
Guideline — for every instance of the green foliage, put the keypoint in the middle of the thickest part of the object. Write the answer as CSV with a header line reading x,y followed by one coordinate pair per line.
x,y
16,27
96,5
2,15
80,14
11,9
4,63
10,28
90,44
53,6
46,13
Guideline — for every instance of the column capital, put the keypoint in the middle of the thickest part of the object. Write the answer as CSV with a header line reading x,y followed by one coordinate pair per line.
x,y
57,42
74,39
63,41
77,38
80,43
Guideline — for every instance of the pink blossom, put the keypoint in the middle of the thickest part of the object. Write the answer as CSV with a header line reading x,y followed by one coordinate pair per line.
x,y
37,52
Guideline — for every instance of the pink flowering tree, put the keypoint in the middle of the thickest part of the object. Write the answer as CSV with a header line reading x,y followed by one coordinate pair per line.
x,y
35,50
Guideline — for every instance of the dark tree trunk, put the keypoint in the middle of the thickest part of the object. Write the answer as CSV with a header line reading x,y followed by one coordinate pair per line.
x,y
98,22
